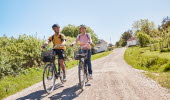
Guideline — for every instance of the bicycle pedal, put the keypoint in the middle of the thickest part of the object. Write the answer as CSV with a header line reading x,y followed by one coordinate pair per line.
x,y
56,75
49,78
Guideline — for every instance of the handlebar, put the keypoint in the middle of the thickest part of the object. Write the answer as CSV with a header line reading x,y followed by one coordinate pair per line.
x,y
55,47
58,46
83,46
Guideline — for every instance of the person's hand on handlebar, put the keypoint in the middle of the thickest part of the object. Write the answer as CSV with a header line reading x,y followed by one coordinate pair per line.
x,y
71,45
91,43
43,47
62,45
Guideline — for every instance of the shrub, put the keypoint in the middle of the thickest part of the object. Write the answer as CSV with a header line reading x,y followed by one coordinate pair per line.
x,y
134,57
143,38
166,67
165,50
17,54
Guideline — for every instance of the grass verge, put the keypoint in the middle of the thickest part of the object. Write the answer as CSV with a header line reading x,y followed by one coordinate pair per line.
x,y
156,64
162,78
10,85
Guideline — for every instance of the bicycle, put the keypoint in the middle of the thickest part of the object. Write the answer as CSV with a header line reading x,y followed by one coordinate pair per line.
x,y
81,55
50,73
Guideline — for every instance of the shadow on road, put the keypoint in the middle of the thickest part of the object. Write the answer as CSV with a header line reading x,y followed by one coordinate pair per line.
x,y
67,94
38,95
34,96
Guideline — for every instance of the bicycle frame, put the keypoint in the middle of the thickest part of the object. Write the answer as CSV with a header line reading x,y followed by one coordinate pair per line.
x,y
56,70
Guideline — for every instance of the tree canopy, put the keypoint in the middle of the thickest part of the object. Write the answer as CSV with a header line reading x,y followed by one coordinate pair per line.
x,y
73,31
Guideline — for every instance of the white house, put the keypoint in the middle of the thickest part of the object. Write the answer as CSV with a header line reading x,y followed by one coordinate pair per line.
x,y
101,46
132,41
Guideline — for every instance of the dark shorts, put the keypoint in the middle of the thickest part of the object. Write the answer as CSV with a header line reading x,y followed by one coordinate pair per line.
x,y
60,53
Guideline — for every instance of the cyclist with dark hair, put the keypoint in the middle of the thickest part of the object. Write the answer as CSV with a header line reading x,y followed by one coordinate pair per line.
x,y
85,38
58,39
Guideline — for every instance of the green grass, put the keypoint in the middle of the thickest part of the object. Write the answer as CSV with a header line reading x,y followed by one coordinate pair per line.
x,y
156,64
143,58
99,55
10,85
162,78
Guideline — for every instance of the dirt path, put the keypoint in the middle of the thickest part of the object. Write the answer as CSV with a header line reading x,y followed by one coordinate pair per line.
x,y
113,80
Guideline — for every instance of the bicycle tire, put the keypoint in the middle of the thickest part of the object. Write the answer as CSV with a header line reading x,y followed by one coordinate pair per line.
x,y
50,76
82,75
61,77
86,73
61,73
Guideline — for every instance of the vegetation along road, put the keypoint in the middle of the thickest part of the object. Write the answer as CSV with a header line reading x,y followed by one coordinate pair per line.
x,y
113,79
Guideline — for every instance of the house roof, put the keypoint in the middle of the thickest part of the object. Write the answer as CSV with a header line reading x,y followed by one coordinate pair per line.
x,y
132,38
101,42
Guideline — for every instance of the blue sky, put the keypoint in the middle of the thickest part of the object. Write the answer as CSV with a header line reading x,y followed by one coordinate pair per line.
x,y
108,18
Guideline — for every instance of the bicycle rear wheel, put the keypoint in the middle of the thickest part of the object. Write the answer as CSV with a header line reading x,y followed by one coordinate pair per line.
x,y
61,77
82,75
60,73
49,78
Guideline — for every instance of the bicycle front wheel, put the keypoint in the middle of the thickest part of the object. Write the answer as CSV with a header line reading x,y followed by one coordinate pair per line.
x,y
82,75
86,75
49,78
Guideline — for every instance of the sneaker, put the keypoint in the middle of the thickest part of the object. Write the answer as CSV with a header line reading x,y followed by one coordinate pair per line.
x,y
64,78
90,76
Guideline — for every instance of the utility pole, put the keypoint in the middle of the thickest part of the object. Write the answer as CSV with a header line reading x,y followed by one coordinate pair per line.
x,y
36,35
110,39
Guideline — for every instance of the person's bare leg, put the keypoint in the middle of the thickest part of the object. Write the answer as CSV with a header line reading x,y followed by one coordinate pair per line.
x,y
63,67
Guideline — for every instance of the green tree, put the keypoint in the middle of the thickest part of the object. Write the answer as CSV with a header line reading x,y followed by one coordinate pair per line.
x,y
165,23
143,38
70,30
117,44
126,35
123,40
73,31
145,26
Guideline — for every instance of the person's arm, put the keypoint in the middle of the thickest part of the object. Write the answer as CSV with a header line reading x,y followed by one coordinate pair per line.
x,y
63,40
47,42
90,39
76,41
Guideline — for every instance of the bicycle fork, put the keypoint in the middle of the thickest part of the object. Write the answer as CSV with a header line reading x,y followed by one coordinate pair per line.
x,y
84,65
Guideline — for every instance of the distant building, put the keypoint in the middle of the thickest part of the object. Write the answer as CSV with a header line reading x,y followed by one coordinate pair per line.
x,y
101,46
110,45
132,41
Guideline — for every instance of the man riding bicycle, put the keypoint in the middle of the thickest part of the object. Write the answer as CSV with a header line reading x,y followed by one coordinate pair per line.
x,y
85,40
58,39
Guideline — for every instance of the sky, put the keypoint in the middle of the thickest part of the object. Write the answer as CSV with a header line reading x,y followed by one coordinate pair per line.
x,y
108,18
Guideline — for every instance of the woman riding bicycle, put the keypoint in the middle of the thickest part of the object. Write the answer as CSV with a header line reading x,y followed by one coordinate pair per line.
x,y
85,38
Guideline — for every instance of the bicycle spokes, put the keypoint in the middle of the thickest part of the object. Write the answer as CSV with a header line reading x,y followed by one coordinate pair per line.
x,y
48,79
82,75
